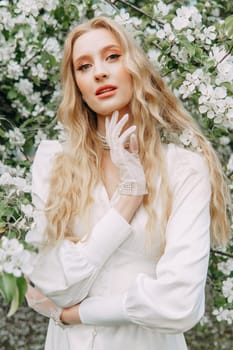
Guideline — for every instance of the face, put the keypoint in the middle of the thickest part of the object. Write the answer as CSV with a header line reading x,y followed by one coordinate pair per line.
x,y
100,72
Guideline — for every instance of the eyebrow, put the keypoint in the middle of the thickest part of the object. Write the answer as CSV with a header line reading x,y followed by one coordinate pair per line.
x,y
103,50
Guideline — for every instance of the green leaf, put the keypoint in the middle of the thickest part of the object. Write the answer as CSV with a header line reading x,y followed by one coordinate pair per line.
x,y
8,286
12,94
22,288
229,86
14,303
228,25
2,290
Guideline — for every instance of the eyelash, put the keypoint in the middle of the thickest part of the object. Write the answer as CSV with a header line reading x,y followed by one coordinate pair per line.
x,y
112,57
83,67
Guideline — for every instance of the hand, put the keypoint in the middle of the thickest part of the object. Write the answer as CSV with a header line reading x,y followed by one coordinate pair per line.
x,y
70,315
41,304
132,177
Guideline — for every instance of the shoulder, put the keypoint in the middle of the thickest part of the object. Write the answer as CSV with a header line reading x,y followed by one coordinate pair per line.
x,y
43,163
47,149
183,162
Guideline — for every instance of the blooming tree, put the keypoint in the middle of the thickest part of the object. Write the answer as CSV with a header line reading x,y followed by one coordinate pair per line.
x,y
190,43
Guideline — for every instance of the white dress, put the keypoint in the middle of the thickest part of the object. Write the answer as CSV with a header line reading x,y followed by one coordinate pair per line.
x,y
133,299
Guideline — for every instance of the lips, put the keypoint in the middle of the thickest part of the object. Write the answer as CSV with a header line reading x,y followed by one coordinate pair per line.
x,y
105,89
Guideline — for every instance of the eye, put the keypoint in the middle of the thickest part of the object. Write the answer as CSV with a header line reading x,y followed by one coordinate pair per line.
x,y
84,67
113,57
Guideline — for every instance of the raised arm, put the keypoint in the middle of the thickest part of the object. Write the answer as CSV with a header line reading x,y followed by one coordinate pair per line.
x,y
174,300
65,271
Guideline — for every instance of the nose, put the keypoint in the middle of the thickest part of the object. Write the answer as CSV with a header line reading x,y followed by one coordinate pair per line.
x,y
101,71
101,76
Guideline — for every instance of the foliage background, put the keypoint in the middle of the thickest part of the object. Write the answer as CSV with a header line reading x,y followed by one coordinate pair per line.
x,y
190,42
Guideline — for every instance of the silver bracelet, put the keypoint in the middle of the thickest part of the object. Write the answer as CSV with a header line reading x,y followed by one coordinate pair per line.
x,y
131,188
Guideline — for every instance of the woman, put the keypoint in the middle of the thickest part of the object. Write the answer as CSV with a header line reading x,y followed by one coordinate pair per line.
x,y
122,218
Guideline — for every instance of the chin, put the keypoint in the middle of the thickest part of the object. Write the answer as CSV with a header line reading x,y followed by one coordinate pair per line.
x,y
107,112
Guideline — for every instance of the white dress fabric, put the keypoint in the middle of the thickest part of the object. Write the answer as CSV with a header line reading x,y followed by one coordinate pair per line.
x,y
132,298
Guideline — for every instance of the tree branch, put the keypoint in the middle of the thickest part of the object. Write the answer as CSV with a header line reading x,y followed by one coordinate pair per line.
x,y
224,57
113,2
218,252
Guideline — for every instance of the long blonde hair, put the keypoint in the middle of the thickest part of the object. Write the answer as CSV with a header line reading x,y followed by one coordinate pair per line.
x,y
76,171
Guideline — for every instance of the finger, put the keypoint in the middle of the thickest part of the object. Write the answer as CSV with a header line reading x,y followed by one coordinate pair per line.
x,y
133,144
126,133
113,121
107,121
119,126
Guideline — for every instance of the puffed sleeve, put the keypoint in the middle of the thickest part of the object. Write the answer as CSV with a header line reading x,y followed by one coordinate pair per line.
x,y
173,302
65,271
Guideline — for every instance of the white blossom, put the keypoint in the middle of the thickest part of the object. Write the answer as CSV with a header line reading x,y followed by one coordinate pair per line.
x,y
6,20
3,151
217,53
223,315
186,16
14,70
39,71
153,55
192,81
227,289
52,46
224,140
102,8
161,9
16,138
226,267
180,23
21,40
215,12
28,7
216,104
224,64
7,51
205,320
208,34
50,5
166,32
188,138
62,134
27,209
25,87
189,35
230,164
49,20
14,259
20,184
123,17
40,135
225,72
179,53
136,22
150,31
35,98
11,246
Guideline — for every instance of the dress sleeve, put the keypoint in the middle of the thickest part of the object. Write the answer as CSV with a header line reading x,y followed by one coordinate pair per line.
x,y
173,302
65,271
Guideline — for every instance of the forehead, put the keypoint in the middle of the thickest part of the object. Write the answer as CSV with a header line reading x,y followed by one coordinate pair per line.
x,y
92,41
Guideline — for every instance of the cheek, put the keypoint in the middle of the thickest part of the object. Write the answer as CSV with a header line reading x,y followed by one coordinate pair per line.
x,y
80,85
127,79
126,76
83,83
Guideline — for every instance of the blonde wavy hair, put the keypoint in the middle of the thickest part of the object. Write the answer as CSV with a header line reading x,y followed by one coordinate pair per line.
x,y
76,171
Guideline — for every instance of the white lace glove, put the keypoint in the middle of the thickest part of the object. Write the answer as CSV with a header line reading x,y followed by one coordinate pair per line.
x,y
132,177
41,304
